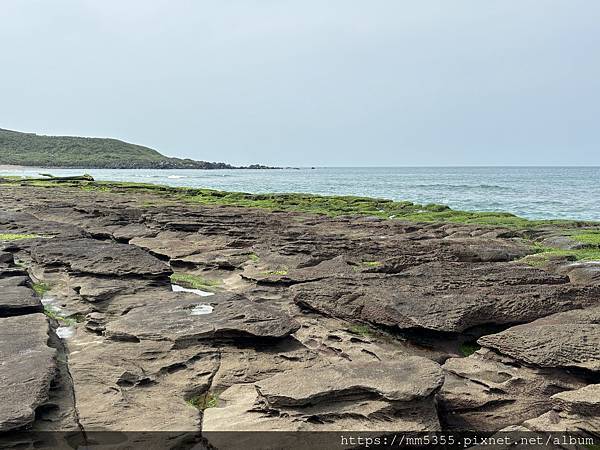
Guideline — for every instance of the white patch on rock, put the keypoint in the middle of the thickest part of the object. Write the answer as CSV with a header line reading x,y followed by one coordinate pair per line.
x,y
201,310
65,332
177,288
48,300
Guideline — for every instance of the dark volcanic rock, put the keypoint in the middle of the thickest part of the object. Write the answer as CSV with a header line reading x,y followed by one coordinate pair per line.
x,y
27,367
568,339
16,300
185,319
100,258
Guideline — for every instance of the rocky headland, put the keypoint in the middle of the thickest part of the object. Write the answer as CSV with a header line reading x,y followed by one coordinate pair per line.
x,y
75,152
127,308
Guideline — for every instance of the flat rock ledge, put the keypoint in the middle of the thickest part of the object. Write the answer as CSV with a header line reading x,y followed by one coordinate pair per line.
x,y
447,298
15,296
186,319
399,381
27,367
96,257
570,339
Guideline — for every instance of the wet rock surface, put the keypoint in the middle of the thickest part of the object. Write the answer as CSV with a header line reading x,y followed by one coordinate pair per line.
x,y
290,321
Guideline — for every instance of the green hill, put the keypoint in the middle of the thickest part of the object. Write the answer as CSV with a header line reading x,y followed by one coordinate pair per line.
x,y
28,149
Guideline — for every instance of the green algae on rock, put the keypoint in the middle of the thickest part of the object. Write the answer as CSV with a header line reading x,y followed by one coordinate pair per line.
x,y
318,204
16,236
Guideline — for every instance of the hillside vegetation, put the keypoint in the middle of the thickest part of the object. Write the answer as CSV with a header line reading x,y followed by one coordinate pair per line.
x,y
28,149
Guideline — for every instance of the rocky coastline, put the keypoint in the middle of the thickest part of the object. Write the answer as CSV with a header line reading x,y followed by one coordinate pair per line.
x,y
130,310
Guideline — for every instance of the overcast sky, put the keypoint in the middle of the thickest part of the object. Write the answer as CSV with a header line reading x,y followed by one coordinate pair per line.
x,y
311,82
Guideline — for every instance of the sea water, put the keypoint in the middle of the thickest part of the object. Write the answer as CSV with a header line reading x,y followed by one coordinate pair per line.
x,y
532,192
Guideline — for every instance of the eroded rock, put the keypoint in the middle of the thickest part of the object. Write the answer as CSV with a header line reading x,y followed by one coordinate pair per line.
x,y
405,380
441,297
568,339
16,300
370,397
488,392
139,386
27,367
183,320
582,273
575,411
91,256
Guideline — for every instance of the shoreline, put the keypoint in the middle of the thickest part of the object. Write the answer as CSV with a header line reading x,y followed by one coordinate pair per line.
x,y
475,191
332,205
570,239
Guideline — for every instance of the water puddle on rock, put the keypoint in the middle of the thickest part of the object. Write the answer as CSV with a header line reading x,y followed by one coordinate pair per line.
x,y
50,303
200,310
177,288
65,332
51,306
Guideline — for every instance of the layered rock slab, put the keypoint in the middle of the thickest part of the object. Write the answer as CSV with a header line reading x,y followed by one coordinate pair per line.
x,y
582,273
18,300
487,392
446,297
98,289
25,223
574,412
185,319
139,386
27,367
104,258
15,297
370,397
174,244
390,381
568,339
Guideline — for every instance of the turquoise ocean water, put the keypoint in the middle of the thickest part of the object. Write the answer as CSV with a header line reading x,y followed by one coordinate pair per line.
x,y
533,192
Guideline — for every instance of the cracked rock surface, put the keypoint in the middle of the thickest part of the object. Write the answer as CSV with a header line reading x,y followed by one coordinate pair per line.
x,y
26,370
171,316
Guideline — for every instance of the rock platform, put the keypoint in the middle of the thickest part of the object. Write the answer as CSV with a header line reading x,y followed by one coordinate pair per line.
x,y
171,316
